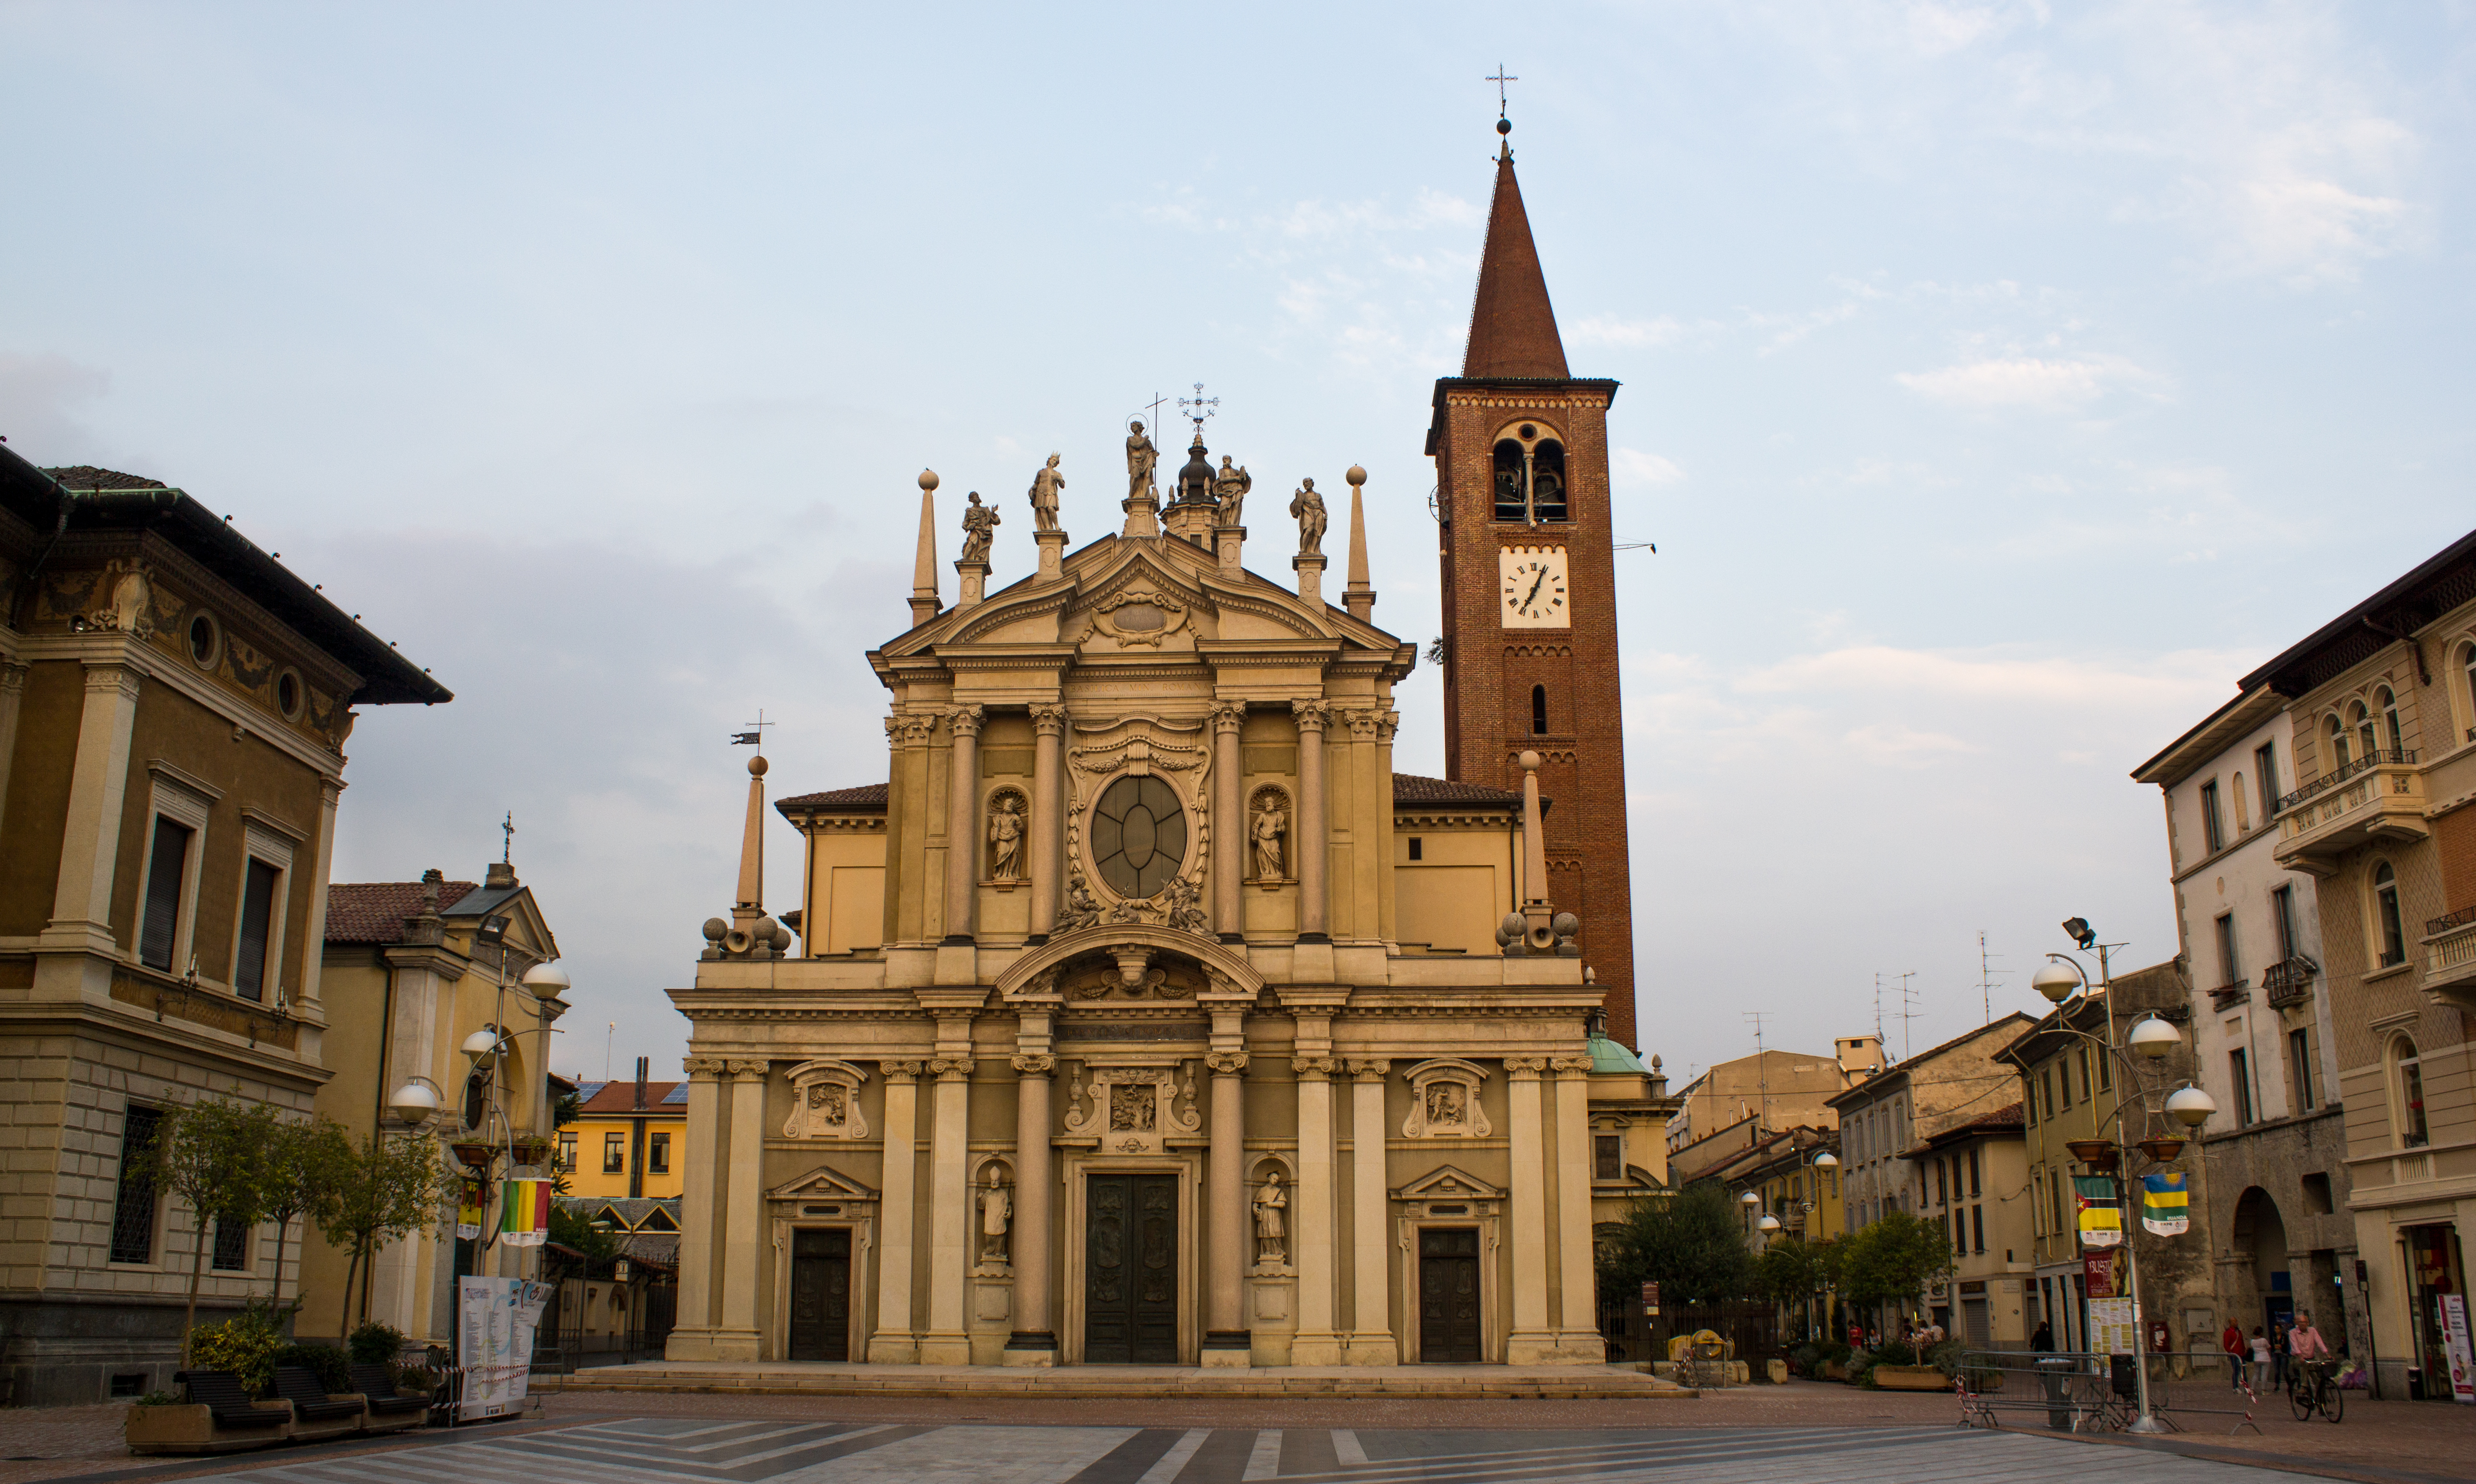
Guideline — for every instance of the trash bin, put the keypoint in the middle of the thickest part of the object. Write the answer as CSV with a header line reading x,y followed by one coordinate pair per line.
x,y
2052,1369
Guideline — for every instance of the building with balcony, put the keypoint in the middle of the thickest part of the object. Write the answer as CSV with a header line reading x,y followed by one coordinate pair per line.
x,y
2248,915
2383,724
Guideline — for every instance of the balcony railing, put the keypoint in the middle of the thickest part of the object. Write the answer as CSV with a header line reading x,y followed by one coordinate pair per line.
x,y
2435,927
2228,996
2289,981
2345,771
2450,956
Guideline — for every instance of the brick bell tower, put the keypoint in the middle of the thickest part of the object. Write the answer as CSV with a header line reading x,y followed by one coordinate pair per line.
x,y
1530,582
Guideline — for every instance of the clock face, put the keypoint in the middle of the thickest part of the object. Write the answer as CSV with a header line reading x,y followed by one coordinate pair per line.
x,y
1533,590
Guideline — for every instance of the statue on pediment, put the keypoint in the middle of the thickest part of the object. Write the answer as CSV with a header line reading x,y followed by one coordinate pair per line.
x,y
1307,506
1045,485
1229,488
1141,459
980,528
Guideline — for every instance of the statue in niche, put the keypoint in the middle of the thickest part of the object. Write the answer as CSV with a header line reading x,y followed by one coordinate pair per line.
x,y
1079,910
825,1104
1045,486
1006,839
996,1213
1308,507
980,528
1133,1107
1271,1223
1229,488
1270,822
1141,458
1447,1104
1185,914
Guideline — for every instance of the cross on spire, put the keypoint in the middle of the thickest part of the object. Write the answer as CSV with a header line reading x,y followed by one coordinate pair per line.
x,y
754,736
1202,408
507,850
1153,409
1501,78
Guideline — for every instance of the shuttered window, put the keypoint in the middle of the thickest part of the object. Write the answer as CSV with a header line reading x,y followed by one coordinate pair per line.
x,y
165,867
133,1210
257,925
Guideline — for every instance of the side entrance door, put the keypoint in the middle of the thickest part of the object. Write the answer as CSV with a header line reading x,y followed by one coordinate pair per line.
x,y
1448,1293
1131,1270
821,1294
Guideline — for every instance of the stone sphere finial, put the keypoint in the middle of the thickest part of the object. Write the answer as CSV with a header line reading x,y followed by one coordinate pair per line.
x,y
1504,126
714,929
757,767
928,480
1356,476
1528,760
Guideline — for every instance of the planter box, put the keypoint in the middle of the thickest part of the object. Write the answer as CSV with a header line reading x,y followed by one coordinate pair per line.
x,y
189,1428
1834,1370
333,1426
1911,1378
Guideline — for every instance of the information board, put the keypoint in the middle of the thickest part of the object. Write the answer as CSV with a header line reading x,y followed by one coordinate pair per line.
x,y
495,1320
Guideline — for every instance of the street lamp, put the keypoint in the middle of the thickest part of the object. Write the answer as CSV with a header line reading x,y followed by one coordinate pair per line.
x,y
2064,984
415,1102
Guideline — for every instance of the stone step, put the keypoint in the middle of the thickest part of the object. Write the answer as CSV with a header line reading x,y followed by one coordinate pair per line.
x,y
1120,1382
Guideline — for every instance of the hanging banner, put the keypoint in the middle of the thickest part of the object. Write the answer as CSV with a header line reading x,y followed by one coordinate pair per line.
x,y
2103,1275
2101,1217
468,1211
2110,1322
2454,1329
495,1323
2165,1204
524,1219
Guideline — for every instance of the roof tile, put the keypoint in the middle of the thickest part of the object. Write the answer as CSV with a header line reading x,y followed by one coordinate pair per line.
x,y
374,911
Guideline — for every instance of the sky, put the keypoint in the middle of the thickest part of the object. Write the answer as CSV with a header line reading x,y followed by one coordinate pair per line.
x,y
2001,382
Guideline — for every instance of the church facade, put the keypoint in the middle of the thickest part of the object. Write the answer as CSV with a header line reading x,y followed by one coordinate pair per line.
x,y
1144,1014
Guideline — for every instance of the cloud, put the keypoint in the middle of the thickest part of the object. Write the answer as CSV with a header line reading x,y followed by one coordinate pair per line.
x,y
40,397
2032,382
2194,678
1633,467
1609,329
1893,743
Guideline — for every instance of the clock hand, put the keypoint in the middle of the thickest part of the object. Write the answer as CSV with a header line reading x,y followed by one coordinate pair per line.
x,y
1535,586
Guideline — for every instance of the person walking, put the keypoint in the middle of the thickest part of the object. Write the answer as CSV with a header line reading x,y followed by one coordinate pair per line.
x,y
2231,1344
2260,1350
2044,1339
2278,1374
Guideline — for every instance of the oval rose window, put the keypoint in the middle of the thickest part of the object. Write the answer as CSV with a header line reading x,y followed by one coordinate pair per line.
x,y
1138,837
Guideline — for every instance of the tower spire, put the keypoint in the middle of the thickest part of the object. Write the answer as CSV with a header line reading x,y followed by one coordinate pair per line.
x,y
1358,597
924,567
1512,327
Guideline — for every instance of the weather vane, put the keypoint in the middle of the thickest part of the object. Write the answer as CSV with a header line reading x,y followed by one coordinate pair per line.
x,y
1202,405
754,736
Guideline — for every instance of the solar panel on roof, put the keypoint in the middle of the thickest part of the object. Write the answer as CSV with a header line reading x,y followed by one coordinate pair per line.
x,y
678,1094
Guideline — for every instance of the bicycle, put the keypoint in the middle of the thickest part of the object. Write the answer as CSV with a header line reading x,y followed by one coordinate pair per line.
x,y
2311,1389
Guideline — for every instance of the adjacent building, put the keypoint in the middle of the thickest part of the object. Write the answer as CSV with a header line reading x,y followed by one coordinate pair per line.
x,y
174,703
1970,1179
1775,1089
626,1140
1890,1114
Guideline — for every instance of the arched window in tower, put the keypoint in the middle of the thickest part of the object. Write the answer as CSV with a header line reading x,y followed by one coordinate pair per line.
x,y
2386,702
1548,480
1509,501
1538,710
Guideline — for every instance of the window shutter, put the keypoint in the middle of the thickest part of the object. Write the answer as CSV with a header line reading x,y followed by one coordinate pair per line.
x,y
164,868
256,911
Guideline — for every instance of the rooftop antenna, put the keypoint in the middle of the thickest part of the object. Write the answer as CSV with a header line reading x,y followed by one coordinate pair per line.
x,y
1197,409
754,736
1908,998
1762,1066
607,1037
1986,973
1878,1009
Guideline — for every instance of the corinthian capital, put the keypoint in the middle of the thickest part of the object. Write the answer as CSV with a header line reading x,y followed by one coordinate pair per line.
x,y
1362,721
1038,1064
1229,716
1387,724
966,720
905,1070
1370,1069
1526,1068
1225,1063
1571,1066
1314,1069
1311,714
951,1068
1048,720
705,1069
751,1069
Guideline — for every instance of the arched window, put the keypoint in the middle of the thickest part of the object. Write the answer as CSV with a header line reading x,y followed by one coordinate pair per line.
x,y
2243,816
1509,501
2407,1080
477,1087
1548,480
2362,722
2335,735
2389,929
2467,664
2386,703
1538,710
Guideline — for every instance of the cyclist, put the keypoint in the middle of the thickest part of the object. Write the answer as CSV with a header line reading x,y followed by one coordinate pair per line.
x,y
2303,1341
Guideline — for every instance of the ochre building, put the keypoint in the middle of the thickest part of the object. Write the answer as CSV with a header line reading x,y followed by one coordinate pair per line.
x,y
1145,1014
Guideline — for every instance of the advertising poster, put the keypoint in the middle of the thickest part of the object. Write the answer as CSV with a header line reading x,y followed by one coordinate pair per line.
x,y
468,1211
2462,1358
2111,1331
2103,1273
495,1320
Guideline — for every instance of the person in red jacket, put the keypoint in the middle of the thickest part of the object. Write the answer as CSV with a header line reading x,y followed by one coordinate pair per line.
x,y
2232,1342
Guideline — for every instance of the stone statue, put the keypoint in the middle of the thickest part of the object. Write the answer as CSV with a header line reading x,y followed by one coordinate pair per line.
x,y
1133,1107
1271,1225
1141,457
1045,485
1270,824
1183,912
1006,840
1230,489
980,528
996,1212
1079,910
1308,507
1447,1104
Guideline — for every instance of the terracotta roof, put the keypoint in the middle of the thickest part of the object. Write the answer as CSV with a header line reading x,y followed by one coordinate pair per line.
x,y
621,1098
1512,327
1411,788
374,911
88,477
2002,1120
866,799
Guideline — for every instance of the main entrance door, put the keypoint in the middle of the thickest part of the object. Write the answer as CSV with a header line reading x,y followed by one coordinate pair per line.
x,y
1131,1270
821,1294
1448,1293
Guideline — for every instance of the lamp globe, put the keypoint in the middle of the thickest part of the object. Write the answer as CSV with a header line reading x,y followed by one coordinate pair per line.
x,y
2153,1037
546,982
1769,1224
482,1046
2055,980
1826,1161
2190,1107
413,1103
1749,1198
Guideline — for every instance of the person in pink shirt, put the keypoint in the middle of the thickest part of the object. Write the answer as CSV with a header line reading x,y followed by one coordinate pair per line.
x,y
2304,1342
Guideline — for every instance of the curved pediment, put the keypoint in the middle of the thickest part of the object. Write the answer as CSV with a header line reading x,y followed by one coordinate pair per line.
x,y
1148,962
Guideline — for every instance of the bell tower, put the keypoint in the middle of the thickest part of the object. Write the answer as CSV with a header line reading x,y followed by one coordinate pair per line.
x,y
1529,586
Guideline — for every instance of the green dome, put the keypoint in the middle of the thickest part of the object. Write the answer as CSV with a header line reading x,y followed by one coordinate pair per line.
x,y
1607,1056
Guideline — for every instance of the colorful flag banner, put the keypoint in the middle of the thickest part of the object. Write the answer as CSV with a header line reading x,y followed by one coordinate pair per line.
x,y
524,1219
2165,1204
2101,1218
468,1211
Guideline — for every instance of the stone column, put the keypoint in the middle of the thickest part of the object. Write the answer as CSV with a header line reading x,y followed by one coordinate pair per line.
x,y
963,824
743,1214
1228,825
893,1344
1578,1322
1371,1286
313,957
692,1338
98,785
1313,822
1227,1216
1531,1342
1034,1341
1045,841
946,1342
13,696
1316,1343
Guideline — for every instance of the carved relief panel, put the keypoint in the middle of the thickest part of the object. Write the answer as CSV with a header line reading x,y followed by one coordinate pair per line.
x,y
1132,1106
1443,1101
825,1101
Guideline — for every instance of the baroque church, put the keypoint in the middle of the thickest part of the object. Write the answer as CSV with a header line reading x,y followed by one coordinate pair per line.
x,y
1144,1014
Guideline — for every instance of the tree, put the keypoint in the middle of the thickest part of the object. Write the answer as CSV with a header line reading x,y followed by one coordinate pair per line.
x,y
1791,1270
307,1163
1689,1241
214,1155
1893,1259
384,1190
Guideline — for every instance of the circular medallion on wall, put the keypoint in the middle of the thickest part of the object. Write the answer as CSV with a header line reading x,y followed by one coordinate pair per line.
x,y
1138,837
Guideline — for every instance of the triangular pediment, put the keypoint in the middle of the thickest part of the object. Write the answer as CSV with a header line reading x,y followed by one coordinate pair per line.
x,y
1449,1182
821,1184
